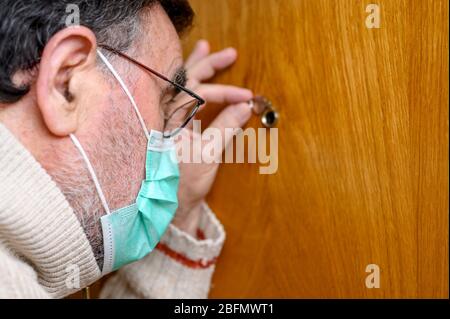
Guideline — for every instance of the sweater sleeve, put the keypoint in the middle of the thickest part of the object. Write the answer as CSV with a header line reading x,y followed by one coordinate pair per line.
x,y
180,267
17,279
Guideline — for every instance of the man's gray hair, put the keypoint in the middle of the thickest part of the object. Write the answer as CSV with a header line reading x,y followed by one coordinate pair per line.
x,y
27,25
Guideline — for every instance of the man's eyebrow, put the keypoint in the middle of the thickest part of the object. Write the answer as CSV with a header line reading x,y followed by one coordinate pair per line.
x,y
180,78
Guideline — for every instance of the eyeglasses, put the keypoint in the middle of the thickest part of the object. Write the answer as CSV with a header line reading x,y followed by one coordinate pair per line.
x,y
181,109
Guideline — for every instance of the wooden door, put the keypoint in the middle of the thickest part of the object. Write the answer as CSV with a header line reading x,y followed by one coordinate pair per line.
x,y
363,148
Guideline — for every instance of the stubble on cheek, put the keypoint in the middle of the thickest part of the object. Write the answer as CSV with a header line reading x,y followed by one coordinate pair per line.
x,y
117,151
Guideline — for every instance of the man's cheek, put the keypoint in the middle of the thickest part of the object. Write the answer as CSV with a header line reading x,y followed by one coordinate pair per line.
x,y
148,102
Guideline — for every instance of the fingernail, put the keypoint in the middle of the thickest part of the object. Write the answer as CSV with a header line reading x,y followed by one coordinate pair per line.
x,y
243,113
202,44
247,94
231,51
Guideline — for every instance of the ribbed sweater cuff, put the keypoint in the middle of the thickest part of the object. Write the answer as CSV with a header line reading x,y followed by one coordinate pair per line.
x,y
197,252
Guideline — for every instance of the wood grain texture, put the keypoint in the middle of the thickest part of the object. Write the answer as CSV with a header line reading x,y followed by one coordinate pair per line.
x,y
363,171
363,148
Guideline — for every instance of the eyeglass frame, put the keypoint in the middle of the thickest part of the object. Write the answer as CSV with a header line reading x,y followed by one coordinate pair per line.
x,y
200,100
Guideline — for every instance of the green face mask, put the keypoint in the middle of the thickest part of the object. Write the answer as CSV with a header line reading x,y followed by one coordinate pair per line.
x,y
132,232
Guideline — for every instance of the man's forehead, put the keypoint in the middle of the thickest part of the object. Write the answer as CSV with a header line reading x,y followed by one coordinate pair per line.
x,y
159,43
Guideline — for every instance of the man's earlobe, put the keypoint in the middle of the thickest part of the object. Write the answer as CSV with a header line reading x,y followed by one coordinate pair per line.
x,y
68,57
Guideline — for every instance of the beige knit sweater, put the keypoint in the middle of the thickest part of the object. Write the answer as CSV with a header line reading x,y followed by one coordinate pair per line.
x,y
42,243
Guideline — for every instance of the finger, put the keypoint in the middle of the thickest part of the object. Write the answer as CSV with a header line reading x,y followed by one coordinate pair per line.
x,y
223,94
200,51
230,119
207,67
211,93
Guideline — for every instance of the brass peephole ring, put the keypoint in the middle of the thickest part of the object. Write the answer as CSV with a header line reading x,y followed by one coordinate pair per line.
x,y
263,107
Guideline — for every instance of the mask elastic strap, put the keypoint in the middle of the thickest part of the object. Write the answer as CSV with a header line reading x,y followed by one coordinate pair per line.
x,y
125,89
92,172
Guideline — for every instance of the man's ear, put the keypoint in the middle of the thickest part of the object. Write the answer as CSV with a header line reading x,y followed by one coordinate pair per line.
x,y
70,54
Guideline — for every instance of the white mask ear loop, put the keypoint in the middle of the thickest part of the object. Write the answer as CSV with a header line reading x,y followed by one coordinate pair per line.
x,y
92,172
125,89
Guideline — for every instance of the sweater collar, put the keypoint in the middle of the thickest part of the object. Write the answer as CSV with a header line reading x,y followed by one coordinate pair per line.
x,y
38,224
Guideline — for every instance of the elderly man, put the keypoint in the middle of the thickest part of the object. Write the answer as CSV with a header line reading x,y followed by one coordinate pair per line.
x,y
88,118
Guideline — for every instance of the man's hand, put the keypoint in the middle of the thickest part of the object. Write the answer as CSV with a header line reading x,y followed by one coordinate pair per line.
x,y
196,179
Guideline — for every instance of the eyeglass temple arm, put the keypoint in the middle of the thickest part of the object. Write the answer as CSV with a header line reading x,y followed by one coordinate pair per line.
x,y
182,88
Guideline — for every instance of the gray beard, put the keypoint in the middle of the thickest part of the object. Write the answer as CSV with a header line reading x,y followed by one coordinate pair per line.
x,y
80,192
